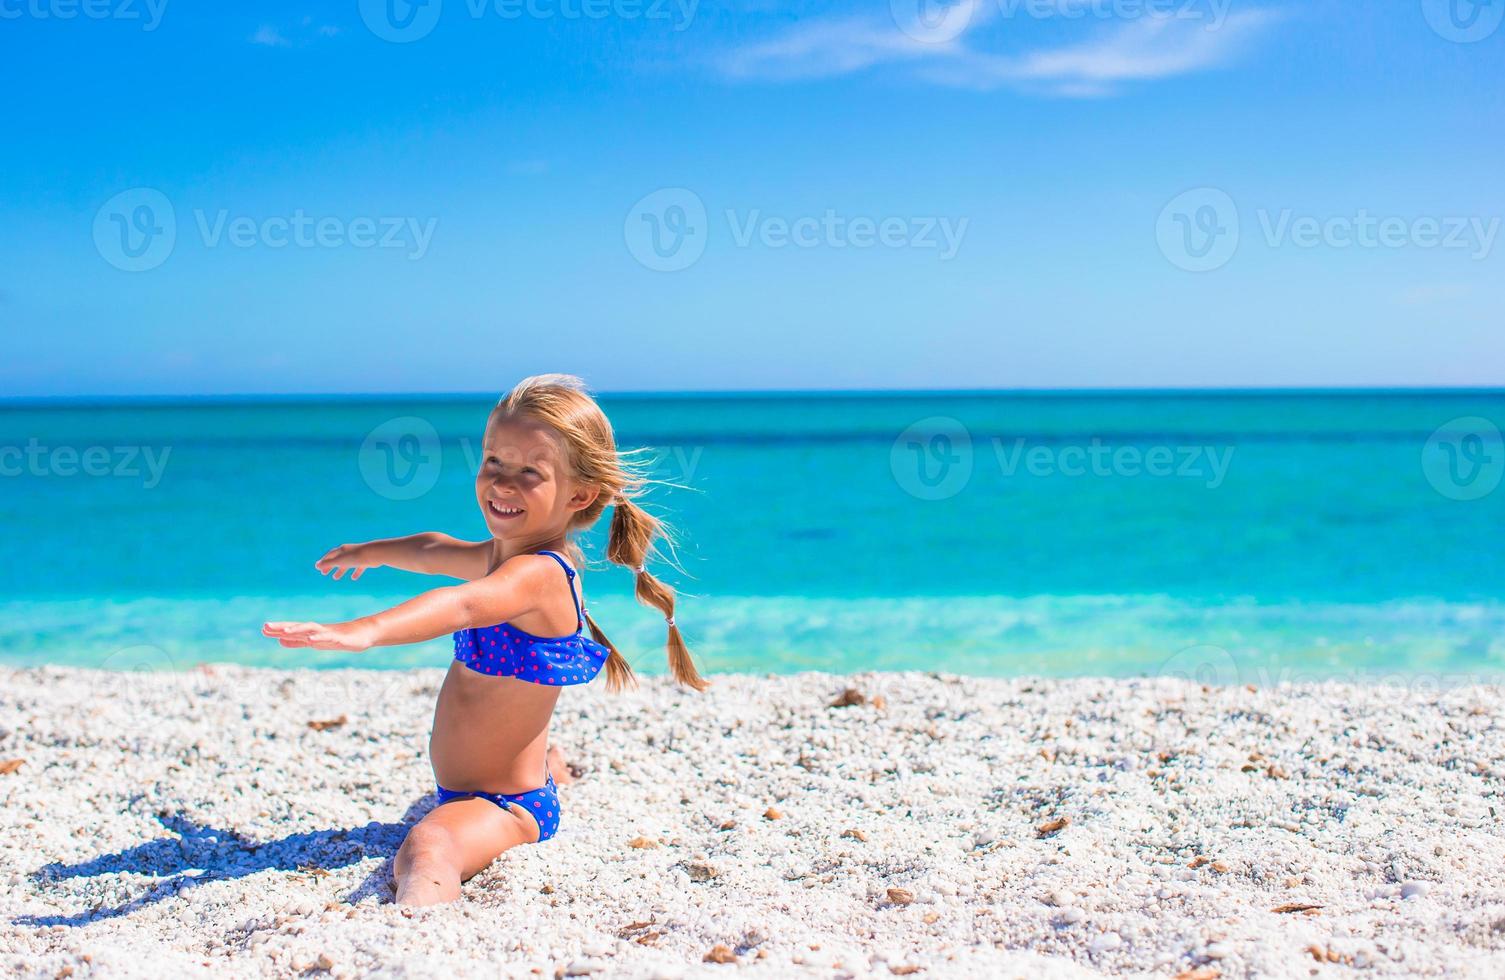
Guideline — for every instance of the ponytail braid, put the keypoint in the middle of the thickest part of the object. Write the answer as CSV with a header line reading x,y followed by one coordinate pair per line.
x,y
632,532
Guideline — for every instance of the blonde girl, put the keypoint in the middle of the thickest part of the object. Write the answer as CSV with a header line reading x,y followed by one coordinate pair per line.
x,y
550,468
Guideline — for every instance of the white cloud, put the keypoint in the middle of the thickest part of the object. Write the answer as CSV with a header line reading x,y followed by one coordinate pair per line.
x,y
269,36
823,48
272,37
1136,49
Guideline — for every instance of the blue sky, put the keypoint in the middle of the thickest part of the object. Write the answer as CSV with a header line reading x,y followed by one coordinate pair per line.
x,y
370,196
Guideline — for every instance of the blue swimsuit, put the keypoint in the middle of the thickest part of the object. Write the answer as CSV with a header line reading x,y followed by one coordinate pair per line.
x,y
504,650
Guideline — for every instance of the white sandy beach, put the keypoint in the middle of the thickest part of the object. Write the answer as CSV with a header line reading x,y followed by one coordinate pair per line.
x,y
195,825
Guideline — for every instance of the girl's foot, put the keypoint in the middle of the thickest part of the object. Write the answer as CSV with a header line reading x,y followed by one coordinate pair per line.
x,y
559,767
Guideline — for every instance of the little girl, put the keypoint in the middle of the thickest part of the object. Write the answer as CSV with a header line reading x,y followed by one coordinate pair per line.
x,y
550,467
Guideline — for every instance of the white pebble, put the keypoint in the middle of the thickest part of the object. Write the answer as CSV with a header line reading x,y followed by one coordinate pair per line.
x,y
1104,942
1413,889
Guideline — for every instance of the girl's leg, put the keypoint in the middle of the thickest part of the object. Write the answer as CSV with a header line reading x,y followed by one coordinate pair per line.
x,y
454,842
559,767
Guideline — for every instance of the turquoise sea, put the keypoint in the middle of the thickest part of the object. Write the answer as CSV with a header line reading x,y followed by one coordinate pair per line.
x,y
1243,537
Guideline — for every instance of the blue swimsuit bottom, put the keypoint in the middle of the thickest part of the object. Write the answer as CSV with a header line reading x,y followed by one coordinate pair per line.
x,y
504,650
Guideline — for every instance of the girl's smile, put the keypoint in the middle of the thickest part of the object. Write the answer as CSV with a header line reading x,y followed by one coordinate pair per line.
x,y
523,486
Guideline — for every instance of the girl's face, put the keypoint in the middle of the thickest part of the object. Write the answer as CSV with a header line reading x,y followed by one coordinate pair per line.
x,y
524,486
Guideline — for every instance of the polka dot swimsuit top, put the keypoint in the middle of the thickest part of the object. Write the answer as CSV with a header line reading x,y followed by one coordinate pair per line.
x,y
504,650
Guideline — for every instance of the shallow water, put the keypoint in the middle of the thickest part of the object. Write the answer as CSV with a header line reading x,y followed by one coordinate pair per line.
x,y
1247,537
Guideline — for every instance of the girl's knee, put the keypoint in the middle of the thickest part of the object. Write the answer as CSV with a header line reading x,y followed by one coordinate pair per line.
x,y
429,842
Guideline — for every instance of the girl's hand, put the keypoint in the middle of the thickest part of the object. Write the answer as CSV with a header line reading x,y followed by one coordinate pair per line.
x,y
352,558
353,636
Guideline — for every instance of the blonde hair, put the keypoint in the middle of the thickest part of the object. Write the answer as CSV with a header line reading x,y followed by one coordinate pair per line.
x,y
561,402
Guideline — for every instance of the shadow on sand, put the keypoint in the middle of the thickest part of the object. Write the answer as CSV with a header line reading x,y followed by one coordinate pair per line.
x,y
212,854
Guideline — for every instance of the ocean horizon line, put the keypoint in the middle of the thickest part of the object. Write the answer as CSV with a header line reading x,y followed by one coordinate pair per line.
x,y
178,399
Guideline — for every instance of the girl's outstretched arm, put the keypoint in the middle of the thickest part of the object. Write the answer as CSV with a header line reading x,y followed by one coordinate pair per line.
x,y
513,589
429,553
